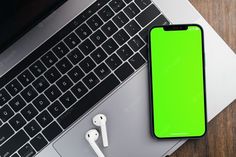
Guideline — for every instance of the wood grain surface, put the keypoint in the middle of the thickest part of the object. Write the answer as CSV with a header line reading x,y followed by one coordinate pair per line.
x,y
220,140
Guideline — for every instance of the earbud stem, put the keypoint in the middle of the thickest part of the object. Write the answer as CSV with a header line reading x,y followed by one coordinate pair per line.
x,y
96,149
104,134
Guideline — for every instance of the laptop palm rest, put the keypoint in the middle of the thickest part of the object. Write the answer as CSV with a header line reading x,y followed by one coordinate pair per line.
x,y
128,126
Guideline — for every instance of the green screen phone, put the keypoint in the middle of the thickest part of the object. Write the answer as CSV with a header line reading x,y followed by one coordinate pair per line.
x,y
177,86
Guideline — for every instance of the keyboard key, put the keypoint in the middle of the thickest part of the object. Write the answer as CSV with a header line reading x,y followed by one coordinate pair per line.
x,y
41,102
121,37
17,141
117,5
17,122
144,52
38,142
5,132
89,100
124,52
14,87
99,4
83,16
91,80
109,28
106,13
72,40
64,65
102,71
132,28
52,93
37,68
136,43
142,4
25,78
17,103
29,93
94,22
136,61
92,9
110,46
27,151
32,128
87,47
6,113
124,71
83,31
49,59
15,155
87,65
52,75
161,20
56,109
120,19
64,83
131,10
4,97
29,112
147,15
98,37
99,55
40,84
44,118
75,56
52,131
60,50
128,1
67,99
113,61
79,90
76,74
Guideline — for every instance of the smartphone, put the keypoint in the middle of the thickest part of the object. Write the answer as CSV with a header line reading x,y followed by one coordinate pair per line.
x,y
177,81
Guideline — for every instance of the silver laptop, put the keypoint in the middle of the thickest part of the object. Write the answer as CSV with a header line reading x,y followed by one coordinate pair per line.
x,y
89,57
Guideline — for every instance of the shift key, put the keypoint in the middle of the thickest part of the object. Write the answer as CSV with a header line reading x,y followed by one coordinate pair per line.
x,y
5,132
147,15
13,144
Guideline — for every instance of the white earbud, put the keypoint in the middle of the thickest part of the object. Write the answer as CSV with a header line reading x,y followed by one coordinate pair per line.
x,y
100,120
92,136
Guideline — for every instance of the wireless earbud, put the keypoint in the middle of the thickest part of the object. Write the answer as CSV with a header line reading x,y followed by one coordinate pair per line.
x,y
92,136
100,120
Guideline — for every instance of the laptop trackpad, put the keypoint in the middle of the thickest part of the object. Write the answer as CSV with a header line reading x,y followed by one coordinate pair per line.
x,y
127,114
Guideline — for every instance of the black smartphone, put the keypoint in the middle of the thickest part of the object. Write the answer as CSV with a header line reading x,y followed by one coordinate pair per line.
x,y
177,81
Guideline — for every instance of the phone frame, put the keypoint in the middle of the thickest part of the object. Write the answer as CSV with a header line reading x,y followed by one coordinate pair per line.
x,y
170,28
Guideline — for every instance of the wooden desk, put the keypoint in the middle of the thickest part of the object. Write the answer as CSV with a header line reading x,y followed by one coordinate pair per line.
x,y
220,140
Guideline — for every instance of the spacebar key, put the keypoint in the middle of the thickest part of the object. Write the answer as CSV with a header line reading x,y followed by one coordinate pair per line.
x,y
88,101
13,144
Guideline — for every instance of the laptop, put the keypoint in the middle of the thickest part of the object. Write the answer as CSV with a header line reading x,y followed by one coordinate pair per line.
x,y
87,57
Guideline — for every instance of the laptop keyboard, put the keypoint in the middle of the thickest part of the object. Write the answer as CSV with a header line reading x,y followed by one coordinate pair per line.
x,y
72,71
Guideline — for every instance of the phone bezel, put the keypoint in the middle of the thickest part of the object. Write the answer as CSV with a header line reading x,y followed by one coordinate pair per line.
x,y
170,28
